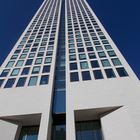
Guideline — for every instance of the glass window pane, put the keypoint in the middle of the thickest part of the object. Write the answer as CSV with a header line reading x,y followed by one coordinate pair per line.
x,y
101,54
19,63
84,65
73,66
4,73
122,72
10,64
86,75
95,64
25,71
29,62
33,81
105,63
38,61
44,80
82,56
48,60
21,82
74,77
10,83
116,62
98,74
46,69
36,70
15,72
110,73
111,53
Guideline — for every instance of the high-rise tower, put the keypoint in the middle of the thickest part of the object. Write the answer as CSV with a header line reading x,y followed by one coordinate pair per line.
x,y
66,80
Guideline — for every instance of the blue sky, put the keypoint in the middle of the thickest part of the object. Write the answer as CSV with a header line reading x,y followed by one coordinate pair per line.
x,y
121,19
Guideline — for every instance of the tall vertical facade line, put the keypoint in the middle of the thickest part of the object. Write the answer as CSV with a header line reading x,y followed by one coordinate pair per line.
x,y
66,79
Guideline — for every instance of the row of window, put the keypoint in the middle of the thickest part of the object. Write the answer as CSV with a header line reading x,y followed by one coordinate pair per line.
x,y
23,80
74,76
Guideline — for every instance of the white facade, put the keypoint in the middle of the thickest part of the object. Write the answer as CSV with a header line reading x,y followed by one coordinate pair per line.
x,y
112,98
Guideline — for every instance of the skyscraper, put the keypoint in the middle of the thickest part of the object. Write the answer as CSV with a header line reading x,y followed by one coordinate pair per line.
x,y
66,79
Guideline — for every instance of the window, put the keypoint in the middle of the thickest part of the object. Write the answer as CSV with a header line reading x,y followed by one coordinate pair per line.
x,y
111,53
29,133
116,62
4,73
29,62
86,75
88,130
23,56
110,73
98,74
92,55
108,47
31,55
122,72
10,83
36,70
15,72
98,48
21,82
1,82
73,66
46,69
44,80
84,65
105,63
95,64
19,63
10,64
82,56
48,60
74,77
101,54
38,61
25,71
33,81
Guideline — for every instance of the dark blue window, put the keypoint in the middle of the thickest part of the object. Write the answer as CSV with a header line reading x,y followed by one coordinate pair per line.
x,y
110,73
25,71
10,83
80,49
44,80
33,49
73,66
1,82
90,130
94,64
4,73
29,133
59,101
21,82
86,75
122,72
74,77
46,69
90,49
29,62
98,74
60,84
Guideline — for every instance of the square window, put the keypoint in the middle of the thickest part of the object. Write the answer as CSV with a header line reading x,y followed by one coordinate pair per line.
x,y
1,82
99,48
84,65
31,55
5,73
72,57
46,69
92,55
14,57
101,54
89,49
33,81
25,71
82,56
21,82
10,83
95,64
15,72
44,80
111,53
48,60
74,77
110,73
10,64
116,62
19,63
73,66
122,72
86,75
23,56
29,62
36,70
80,49
105,63
108,47
98,74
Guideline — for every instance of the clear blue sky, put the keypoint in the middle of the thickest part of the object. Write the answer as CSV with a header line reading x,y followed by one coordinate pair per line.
x,y
121,19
